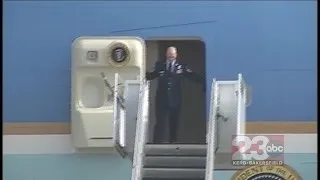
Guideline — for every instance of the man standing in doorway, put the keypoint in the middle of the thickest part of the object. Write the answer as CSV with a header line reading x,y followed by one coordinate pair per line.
x,y
168,96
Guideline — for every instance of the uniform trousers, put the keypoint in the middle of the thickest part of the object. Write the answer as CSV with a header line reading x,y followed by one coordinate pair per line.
x,y
167,119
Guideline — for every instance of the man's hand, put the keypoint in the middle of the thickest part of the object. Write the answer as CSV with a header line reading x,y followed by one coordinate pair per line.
x,y
148,75
154,74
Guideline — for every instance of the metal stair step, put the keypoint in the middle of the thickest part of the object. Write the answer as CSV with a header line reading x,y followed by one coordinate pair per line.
x,y
174,173
174,162
175,149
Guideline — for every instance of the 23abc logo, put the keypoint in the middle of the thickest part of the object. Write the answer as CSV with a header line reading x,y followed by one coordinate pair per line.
x,y
246,147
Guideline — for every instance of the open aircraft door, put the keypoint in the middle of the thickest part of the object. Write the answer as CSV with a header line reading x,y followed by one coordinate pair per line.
x,y
107,83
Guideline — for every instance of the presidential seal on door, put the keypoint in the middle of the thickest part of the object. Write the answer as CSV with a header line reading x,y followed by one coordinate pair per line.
x,y
267,172
118,54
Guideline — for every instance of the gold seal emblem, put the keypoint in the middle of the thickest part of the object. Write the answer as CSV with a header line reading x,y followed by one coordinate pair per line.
x,y
118,54
267,172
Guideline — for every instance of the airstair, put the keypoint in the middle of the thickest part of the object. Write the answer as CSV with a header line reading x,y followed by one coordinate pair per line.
x,y
186,161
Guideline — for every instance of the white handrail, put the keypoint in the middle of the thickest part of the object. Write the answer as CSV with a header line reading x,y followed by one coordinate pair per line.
x,y
241,111
240,93
141,131
242,100
211,134
117,108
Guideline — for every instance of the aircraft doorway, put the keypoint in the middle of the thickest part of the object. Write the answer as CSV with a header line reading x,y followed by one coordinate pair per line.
x,y
192,121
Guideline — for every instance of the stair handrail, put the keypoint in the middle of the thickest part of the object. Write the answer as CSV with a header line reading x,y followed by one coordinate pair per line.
x,y
242,103
141,131
118,104
211,134
117,101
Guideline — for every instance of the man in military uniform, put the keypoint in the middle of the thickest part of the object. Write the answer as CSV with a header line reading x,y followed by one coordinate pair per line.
x,y
170,74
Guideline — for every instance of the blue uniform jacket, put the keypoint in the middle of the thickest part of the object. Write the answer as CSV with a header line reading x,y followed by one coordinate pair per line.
x,y
169,83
